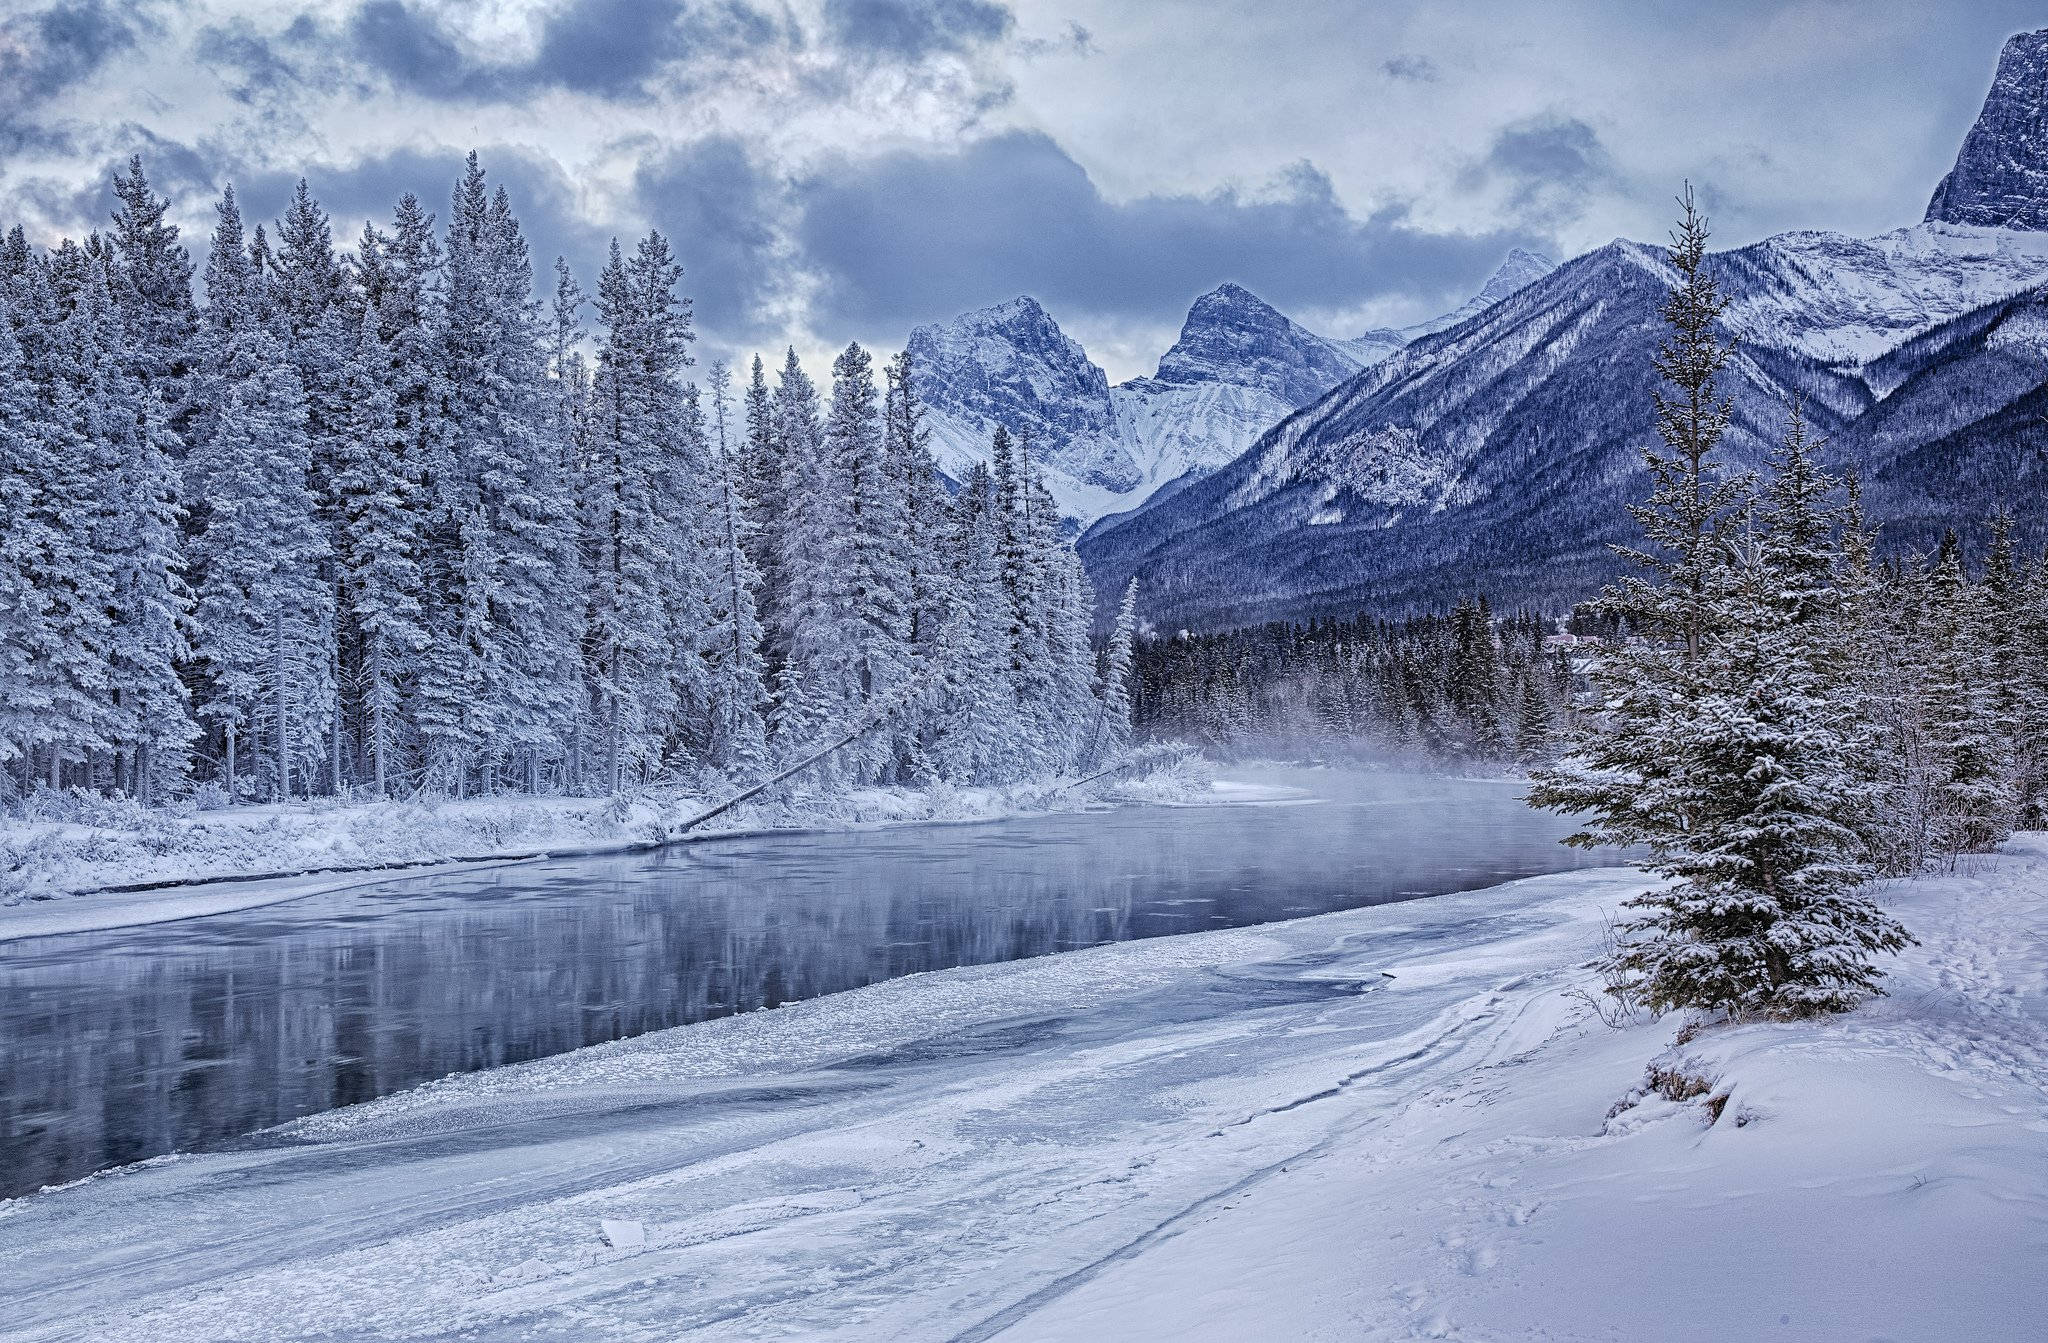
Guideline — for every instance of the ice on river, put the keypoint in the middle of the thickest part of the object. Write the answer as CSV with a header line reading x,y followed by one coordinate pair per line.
x,y
1384,1123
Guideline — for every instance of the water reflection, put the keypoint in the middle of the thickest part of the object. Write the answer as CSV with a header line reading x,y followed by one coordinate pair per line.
x,y
118,1046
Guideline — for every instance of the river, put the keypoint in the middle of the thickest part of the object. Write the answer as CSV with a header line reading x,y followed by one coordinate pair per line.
x,y
121,1045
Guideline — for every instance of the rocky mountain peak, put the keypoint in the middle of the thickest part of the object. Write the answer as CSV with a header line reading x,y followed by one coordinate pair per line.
x,y
1232,335
2001,176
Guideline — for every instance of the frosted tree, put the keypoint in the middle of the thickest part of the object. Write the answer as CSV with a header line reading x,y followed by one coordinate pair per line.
x,y
309,288
153,288
640,530
1974,802
733,642
121,421
33,652
817,686
877,573
975,720
1721,746
378,487
263,609
496,679
1112,736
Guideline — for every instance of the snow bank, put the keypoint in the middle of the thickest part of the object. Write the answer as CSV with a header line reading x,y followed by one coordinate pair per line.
x,y
86,862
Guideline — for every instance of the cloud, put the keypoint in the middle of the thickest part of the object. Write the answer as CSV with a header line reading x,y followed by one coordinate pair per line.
x,y
913,30
718,206
412,49
914,235
611,49
1415,69
1551,166
44,52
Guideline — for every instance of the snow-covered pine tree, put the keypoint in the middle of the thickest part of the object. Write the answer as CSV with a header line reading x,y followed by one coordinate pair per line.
x,y
263,609
974,725
70,674
817,686
1720,746
309,286
153,287
1974,803
1766,917
637,532
121,421
877,577
32,651
377,488
1112,736
499,669
2006,605
762,456
928,529
733,642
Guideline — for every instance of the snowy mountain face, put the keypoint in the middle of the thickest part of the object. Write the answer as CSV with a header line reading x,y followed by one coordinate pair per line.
x,y
2001,177
1238,367
1495,456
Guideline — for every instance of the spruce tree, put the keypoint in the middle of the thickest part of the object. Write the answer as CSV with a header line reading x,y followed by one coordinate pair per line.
x,y
733,643
1720,745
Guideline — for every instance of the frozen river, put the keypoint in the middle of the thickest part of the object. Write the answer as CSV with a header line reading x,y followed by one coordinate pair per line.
x,y
122,1045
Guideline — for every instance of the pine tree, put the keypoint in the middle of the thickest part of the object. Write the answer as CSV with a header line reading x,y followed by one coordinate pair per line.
x,y
1721,748
32,651
733,642
1113,698
378,488
122,420
1974,803
263,609
877,576
817,686
643,516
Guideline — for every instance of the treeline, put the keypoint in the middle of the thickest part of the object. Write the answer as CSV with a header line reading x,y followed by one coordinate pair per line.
x,y
373,519
1456,687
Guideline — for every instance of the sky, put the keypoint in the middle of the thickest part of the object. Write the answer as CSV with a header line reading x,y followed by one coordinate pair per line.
x,y
834,170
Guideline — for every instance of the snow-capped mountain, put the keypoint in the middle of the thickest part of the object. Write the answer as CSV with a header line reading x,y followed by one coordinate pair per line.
x,y
1238,367
1495,456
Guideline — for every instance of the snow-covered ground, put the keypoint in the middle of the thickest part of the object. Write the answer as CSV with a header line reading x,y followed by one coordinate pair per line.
x,y
106,864
1395,1122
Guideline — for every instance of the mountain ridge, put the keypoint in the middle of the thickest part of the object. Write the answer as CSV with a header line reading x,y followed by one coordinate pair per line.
x,y
1495,456
1237,366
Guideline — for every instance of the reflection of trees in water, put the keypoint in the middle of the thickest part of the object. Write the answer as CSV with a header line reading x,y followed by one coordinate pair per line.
x,y
149,1042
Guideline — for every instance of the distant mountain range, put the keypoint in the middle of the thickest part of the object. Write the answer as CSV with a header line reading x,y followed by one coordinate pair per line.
x,y
1239,367
1494,455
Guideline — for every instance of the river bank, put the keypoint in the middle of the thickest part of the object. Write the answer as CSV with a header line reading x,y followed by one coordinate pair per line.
x,y
1391,1122
88,863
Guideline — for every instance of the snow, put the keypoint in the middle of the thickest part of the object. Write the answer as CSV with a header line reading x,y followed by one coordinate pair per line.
x,y
1393,1122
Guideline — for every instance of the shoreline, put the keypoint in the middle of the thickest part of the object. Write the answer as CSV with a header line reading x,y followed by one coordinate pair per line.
x,y
173,900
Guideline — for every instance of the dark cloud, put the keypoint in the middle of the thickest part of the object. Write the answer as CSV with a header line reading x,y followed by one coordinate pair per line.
x,y
249,63
911,30
1416,69
1552,166
609,48
45,51
410,47
717,205
916,235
